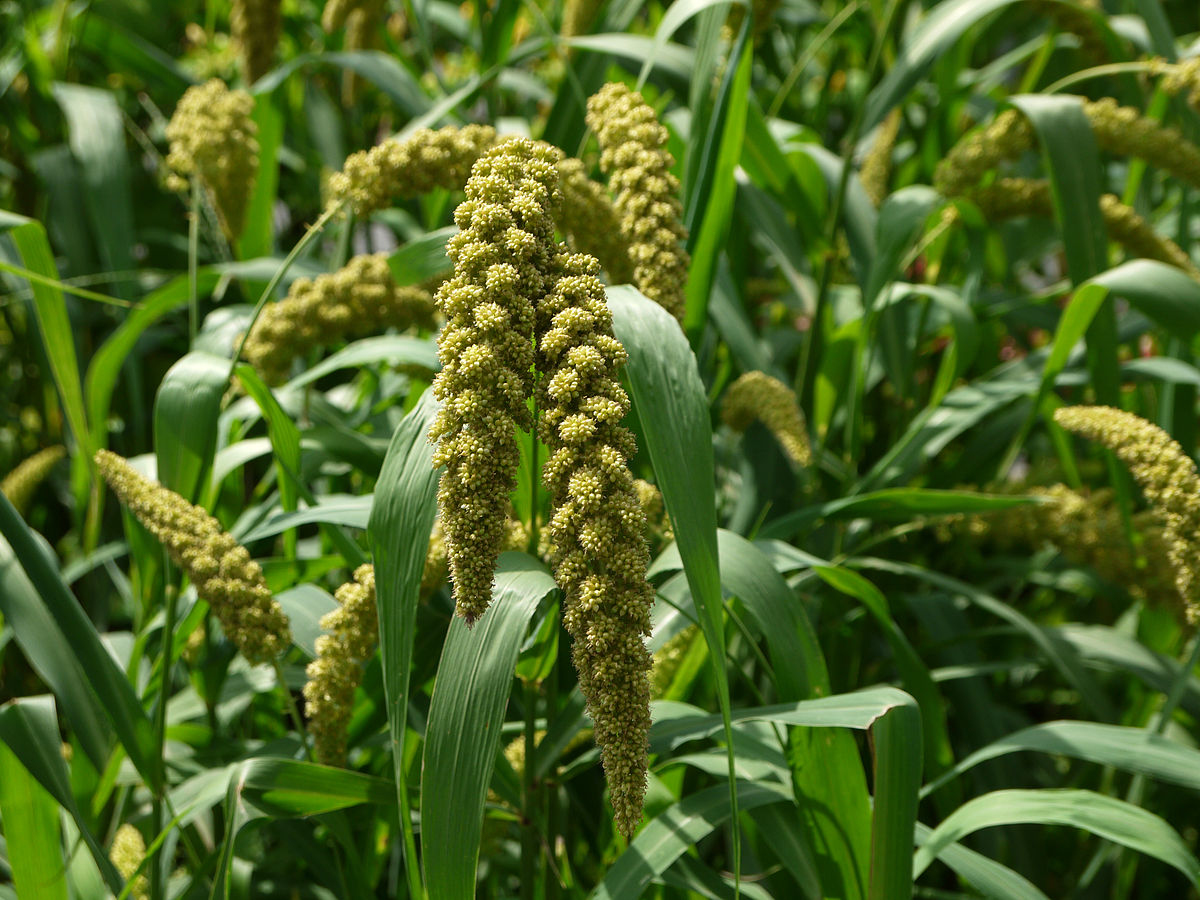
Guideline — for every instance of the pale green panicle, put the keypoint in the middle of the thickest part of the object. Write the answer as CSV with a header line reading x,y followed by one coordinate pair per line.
x,y
756,395
502,255
437,562
128,851
876,172
578,16
1166,475
1008,198
402,167
668,659
21,483
590,221
213,139
359,299
638,165
597,528
256,25
1006,137
351,632
221,569
1180,77
658,524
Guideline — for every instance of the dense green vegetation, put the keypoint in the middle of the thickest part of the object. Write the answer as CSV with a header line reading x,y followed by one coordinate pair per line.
x,y
770,364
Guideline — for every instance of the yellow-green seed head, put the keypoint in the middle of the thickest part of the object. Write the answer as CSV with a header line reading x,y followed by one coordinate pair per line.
x,y
1166,475
427,160
501,255
597,528
21,483
591,222
667,660
127,853
1180,77
756,395
1007,137
638,165
221,569
877,165
255,25
351,632
1008,198
212,138
357,300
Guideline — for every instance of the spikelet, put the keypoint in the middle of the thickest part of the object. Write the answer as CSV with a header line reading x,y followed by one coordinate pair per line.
x,y
221,569
437,562
597,527
1008,198
21,483
502,255
371,179
352,630
212,138
127,853
756,395
255,25
591,222
658,524
667,660
1166,475
1180,77
635,158
359,299
1007,137
877,166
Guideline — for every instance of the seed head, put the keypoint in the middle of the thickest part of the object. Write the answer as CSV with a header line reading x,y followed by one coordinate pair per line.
x,y
255,25
127,853
221,569
756,395
638,165
1166,475
21,483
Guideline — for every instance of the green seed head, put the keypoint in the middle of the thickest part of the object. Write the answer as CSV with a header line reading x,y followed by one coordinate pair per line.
x,y
756,395
638,165
224,574
21,483
597,529
212,137
351,632
127,853
255,25
359,299
502,255
1166,475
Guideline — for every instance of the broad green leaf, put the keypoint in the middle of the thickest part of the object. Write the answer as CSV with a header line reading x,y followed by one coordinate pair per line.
x,y
992,878
382,70
401,522
304,605
257,237
105,678
31,831
669,397
423,258
1128,749
29,730
292,787
338,509
462,735
1106,817
391,349
186,409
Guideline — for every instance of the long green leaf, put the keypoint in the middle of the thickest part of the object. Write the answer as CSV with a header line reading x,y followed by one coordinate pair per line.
x,y
186,409
31,831
401,522
1106,817
462,735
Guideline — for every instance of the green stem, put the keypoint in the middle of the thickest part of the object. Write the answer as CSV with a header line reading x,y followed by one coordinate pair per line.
x,y
170,598
193,274
529,841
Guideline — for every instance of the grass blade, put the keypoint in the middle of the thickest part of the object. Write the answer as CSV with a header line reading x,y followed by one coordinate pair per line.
x,y
186,409
31,832
462,735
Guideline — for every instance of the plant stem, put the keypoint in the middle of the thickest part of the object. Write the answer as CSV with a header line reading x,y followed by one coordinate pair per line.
x,y
193,273
170,598
529,842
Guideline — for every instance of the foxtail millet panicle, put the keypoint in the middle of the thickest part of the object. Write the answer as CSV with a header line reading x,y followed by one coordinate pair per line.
x,y
597,527
213,139
221,569
756,395
351,632
21,483
256,25
1166,475
634,156
876,171
128,851
590,221
372,179
357,300
502,256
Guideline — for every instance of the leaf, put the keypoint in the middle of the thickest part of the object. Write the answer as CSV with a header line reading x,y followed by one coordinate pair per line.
x,y
104,677
291,787
257,237
423,258
31,832
29,730
462,735
382,70
1106,817
992,878
186,412
304,605
401,522
669,397
1128,749
392,349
